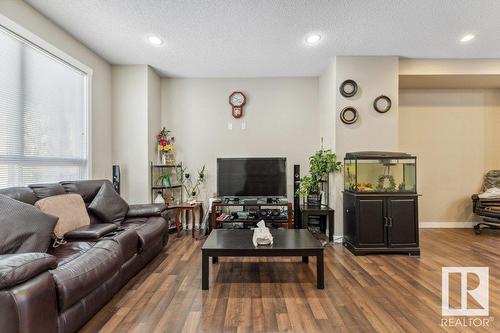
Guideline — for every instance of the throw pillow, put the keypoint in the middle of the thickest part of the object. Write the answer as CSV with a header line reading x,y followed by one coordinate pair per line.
x,y
108,205
70,209
23,228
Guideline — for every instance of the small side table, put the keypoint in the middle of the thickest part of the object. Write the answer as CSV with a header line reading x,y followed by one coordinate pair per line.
x,y
323,211
187,208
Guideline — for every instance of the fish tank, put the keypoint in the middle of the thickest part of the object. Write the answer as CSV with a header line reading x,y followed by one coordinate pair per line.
x,y
380,172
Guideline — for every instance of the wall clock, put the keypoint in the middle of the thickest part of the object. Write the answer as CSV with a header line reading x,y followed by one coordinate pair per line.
x,y
237,100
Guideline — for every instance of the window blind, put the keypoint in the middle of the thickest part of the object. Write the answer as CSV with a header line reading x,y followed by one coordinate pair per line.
x,y
43,116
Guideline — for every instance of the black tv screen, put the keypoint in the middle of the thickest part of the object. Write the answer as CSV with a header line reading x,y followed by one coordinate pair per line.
x,y
251,177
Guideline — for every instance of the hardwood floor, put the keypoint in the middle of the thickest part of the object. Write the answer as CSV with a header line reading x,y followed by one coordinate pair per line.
x,y
383,293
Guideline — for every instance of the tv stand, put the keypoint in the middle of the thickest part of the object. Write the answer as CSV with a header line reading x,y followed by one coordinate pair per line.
x,y
256,202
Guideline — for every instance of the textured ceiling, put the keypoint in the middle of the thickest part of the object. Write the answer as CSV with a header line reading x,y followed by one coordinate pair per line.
x,y
260,38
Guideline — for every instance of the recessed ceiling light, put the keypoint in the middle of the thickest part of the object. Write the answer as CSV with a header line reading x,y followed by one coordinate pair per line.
x,y
313,39
467,38
155,40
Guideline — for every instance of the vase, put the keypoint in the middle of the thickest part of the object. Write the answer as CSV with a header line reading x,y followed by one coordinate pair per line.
x,y
314,199
170,158
159,198
163,159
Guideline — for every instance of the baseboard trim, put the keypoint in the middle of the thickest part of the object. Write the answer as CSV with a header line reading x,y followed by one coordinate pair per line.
x,y
429,225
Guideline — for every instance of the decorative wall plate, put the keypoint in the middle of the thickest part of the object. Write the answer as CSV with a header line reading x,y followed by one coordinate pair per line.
x,y
382,104
348,88
349,115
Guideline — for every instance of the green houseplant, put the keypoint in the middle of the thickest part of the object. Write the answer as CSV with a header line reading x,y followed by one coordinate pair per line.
x,y
321,164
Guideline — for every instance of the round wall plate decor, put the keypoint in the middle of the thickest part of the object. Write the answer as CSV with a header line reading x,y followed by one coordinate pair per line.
x,y
349,115
382,104
348,88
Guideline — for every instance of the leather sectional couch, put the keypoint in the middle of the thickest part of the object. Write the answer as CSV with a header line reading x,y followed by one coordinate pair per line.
x,y
59,291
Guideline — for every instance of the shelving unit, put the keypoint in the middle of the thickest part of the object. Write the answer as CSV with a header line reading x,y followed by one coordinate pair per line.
x,y
175,189
288,221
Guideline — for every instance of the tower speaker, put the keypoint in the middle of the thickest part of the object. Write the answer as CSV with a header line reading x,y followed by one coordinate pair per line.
x,y
297,216
116,178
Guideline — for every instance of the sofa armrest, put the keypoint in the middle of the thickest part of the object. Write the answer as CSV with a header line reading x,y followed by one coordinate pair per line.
x,y
91,231
146,210
18,268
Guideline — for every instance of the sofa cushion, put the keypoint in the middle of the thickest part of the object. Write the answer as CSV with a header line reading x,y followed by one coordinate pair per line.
x,y
47,190
86,188
108,205
23,194
150,230
23,227
70,250
128,240
69,208
86,271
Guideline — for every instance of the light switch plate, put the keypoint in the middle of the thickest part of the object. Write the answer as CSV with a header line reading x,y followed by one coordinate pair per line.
x,y
243,125
230,126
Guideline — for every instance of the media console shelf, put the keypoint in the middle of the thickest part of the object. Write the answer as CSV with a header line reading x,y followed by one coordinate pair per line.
x,y
260,204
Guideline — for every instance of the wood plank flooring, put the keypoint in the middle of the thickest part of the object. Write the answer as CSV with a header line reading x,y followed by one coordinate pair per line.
x,y
375,293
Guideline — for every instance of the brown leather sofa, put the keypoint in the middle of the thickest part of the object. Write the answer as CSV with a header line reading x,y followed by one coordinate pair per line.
x,y
61,290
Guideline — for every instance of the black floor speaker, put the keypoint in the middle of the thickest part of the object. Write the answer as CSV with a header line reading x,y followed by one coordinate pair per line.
x,y
116,178
297,216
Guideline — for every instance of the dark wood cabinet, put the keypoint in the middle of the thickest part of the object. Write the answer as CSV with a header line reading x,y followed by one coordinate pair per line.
x,y
379,223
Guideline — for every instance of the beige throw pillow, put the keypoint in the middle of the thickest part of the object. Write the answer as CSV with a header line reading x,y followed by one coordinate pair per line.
x,y
69,208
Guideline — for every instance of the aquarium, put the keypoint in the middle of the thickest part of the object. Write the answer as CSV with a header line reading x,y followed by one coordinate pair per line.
x,y
380,172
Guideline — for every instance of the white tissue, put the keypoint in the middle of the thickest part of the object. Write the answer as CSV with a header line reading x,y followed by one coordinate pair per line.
x,y
262,235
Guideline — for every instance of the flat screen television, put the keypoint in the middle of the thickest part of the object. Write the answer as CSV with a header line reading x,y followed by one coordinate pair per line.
x,y
251,177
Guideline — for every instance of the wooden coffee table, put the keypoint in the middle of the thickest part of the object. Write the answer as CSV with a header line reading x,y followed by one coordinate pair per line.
x,y
238,243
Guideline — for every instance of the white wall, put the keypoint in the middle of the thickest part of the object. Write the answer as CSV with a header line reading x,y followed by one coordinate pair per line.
x,y
25,16
449,67
154,113
136,93
130,130
373,131
326,95
281,117
454,133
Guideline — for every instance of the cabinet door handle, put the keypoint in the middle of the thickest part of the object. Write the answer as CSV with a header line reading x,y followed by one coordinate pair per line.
x,y
390,221
386,219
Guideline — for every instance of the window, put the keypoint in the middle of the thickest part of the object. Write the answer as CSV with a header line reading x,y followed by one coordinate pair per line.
x,y
43,115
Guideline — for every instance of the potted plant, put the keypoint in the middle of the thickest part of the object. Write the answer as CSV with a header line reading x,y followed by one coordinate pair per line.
x,y
321,164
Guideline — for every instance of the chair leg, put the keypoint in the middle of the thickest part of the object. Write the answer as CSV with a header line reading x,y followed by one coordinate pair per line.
x,y
486,225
